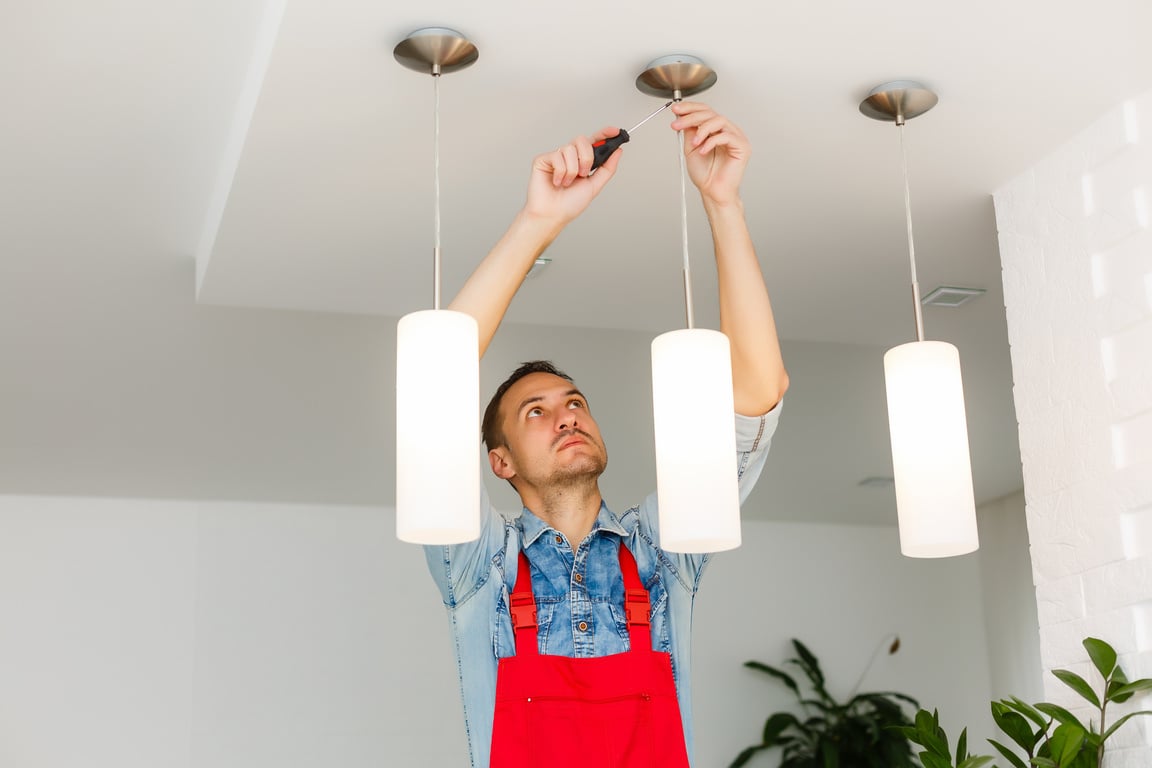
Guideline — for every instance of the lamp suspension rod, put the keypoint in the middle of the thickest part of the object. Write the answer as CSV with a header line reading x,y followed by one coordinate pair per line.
x,y
676,96
436,185
911,244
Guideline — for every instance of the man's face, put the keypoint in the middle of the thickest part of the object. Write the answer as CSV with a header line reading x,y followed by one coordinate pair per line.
x,y
550,435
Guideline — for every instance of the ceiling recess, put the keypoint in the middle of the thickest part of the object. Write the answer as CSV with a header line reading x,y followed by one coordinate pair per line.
x,y
950,296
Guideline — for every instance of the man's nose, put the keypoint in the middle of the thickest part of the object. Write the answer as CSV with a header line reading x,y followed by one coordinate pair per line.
x,y
567,419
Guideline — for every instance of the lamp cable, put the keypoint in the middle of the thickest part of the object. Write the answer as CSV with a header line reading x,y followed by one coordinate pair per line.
x,y
688,314
436,186
911,244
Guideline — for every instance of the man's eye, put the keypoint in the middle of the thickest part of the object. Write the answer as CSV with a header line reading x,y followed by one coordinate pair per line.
x,y
535,412
576,404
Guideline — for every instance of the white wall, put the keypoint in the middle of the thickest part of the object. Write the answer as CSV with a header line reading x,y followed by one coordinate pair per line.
x,y
1076,245
1009,598
231,635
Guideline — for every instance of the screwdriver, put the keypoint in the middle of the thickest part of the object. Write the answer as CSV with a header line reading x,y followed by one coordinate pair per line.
x,y
603,149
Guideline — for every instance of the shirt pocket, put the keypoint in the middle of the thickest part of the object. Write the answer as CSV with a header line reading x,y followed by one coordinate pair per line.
x,y
620,624
661,631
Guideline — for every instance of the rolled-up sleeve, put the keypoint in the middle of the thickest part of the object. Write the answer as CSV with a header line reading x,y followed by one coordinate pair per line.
x,y
753,439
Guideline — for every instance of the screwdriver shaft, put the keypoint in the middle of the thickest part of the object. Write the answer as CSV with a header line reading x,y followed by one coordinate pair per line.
x,y
633,128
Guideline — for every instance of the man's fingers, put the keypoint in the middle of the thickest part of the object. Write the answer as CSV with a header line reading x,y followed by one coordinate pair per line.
x,y
606,132
585,155
573,160
734,146
571,165
690,114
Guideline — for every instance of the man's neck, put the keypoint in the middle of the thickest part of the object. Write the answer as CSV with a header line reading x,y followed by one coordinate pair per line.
x,y
570,509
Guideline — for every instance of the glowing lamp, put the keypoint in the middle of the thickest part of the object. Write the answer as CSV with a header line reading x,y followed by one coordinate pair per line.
x,y
437,391
930,459
699,498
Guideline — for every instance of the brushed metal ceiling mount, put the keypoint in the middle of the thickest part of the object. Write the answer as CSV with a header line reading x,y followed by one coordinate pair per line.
x,y
676,76
898,101
436,50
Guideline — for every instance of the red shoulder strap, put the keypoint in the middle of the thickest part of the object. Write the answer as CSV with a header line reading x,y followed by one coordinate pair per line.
x,y
522,606
637,604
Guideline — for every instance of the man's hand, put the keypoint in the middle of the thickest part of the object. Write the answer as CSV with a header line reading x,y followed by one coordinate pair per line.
x,y
716,151
560,187
559,190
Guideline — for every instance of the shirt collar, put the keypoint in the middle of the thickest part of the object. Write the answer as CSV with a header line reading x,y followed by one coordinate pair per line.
x,y
533,527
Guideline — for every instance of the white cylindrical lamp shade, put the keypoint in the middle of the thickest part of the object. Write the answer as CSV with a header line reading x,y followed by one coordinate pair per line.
x,y
696,485
930,460
437,416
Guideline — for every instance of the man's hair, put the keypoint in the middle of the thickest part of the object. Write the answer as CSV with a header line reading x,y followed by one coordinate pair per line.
x,y
490,429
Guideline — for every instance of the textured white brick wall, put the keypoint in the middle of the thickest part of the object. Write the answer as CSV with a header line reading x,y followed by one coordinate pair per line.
x,y
1077,257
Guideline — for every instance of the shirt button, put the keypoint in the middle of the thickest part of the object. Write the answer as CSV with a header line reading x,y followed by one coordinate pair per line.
x,y
582,626
579,578
559,539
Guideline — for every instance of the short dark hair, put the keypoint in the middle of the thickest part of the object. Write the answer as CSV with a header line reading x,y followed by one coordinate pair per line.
x,y
490,429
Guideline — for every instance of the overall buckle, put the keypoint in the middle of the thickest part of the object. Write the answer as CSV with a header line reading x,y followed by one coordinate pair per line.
x,y
637,607
522,607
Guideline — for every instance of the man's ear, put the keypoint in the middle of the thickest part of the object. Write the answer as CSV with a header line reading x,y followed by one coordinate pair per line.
x,y
501,462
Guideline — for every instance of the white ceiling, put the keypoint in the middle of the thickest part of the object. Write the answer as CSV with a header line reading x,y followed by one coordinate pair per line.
x,y
282,147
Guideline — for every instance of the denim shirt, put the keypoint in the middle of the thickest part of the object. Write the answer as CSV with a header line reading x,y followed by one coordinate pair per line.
x,y
579,590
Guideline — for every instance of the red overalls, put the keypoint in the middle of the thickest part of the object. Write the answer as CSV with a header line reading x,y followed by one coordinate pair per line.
x,y
617,711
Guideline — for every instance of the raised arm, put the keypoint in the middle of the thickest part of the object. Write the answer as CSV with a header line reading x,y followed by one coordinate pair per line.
x,y
717,153
559,190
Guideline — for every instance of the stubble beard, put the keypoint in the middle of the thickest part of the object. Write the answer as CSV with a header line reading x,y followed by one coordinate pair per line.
x,y
586,470
583,471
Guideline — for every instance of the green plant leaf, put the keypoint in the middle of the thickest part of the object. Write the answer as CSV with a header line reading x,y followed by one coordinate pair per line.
x,y
1016,727
1102,655
1115,683
1044,762
934,740
975,762
781,676
1123,720
876,696
1126,691
1009,755
820,705
776,725
934,761
1078,684
907,732
962,746
746,755
1027,710
1058,713
809,663
1065,742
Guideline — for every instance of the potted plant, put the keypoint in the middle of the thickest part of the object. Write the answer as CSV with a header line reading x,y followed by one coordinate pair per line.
x,y
1049,735
861,732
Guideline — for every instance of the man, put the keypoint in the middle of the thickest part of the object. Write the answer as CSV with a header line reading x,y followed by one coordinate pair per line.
x,y
570,624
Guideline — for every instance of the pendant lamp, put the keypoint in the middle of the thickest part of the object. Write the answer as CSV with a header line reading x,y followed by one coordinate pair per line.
x,y
699,499
437,365
929,432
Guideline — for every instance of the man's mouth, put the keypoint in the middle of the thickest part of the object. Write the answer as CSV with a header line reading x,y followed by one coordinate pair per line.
x,y
571,440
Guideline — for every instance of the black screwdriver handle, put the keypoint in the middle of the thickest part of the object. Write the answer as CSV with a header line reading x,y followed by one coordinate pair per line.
x,y
603,149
